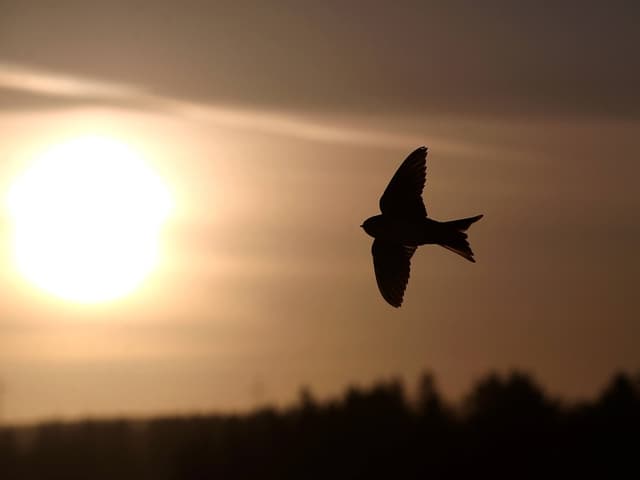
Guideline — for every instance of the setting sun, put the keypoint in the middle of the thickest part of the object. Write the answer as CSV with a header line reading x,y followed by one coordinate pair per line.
x,y
86,218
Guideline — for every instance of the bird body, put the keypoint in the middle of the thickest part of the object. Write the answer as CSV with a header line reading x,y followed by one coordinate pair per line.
x,y
403,226
407,231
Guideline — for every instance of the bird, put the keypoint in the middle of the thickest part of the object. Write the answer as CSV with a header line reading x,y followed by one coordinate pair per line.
x,y
403,226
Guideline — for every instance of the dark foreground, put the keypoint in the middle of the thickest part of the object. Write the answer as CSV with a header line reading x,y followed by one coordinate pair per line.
x,y
506,428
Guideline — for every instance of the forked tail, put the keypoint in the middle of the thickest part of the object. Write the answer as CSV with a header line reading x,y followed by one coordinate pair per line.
x,y
454,238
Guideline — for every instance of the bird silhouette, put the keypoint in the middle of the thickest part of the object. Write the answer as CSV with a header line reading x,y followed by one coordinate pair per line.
x,y
404,225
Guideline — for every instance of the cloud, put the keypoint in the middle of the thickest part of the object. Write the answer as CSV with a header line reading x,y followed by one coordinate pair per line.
x,y
507,58
27,88
23,87
32,80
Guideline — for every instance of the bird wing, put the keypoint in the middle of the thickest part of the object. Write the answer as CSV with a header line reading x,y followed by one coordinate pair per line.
x,y
403,196
392,263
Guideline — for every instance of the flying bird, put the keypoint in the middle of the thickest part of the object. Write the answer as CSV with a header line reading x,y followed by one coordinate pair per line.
x,y
404,225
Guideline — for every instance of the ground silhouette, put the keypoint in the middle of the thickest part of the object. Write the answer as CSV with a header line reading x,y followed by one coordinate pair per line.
x,y
506,427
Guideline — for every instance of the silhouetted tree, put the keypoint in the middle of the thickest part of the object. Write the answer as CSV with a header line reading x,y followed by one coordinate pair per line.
x,y
506,427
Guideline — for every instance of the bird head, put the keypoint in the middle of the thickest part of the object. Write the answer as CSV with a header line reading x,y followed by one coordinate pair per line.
x,y
370,225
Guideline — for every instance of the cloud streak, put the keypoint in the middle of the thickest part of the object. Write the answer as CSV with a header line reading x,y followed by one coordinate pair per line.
x,y
32,88
507,59
17,77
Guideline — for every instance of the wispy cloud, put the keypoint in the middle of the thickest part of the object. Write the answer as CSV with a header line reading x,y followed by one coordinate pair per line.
x,y
62,89
17,77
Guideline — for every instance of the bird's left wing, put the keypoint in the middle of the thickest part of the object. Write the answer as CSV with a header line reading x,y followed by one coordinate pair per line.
x,y
392,265
403,195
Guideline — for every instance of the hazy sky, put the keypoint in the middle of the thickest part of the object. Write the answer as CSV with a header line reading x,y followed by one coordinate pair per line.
x,y
277,126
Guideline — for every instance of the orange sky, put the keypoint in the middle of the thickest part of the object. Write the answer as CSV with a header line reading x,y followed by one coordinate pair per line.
x,y
277,130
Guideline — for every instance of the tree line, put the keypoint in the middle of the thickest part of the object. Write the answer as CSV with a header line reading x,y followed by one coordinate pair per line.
x,y
506,427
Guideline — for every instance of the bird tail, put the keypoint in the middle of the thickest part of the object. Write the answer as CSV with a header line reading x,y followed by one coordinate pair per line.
x,y
454,238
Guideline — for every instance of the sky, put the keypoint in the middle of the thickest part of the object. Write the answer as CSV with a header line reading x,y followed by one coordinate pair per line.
x,y
276,126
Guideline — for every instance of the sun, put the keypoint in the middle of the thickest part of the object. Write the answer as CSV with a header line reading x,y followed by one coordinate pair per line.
x,y
87,216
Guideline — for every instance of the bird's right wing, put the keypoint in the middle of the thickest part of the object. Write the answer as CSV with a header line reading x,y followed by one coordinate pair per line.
x,y
403,195
392,264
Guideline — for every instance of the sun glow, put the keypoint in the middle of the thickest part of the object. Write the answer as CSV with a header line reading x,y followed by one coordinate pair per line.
x,y
86,218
